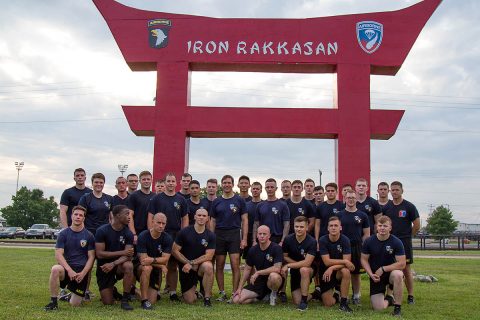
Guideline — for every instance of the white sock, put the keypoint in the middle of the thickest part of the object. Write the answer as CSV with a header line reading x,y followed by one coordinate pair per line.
x,y
356,295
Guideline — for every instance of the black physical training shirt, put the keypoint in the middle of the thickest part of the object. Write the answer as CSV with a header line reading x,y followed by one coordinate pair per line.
x,y
264,259
193,244
272,214
325,211
382,253
353,224
98,210
335,250
75,246
193,207
138,202
113,240
303,208
70,198
371,207
402,216
154,248
174,207
119,201
228,212
298,250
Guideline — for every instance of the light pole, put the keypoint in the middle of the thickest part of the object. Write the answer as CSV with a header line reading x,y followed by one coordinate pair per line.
x,y
19,166
320,174
122,168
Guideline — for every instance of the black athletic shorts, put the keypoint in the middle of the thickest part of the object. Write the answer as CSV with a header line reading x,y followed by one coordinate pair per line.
x,y
188,280
107,280
154,275
75,287
356,254
259,287
327,286
227,241
407,245
380,287
295,278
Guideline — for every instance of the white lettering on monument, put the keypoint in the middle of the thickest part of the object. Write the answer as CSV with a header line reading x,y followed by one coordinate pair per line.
x,y
263,48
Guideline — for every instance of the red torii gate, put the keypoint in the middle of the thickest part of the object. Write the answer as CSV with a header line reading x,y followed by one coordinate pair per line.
x,y
352,46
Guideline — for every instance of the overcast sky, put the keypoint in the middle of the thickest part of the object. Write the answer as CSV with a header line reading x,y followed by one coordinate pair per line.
x,y
63,80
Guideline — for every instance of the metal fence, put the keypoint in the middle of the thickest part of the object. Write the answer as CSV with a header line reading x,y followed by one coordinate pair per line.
x,y
460,241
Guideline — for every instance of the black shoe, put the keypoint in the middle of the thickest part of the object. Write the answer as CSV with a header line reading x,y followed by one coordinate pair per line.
x,y
397,312
410,300
146,305
159,297
283,297
51,306
125,305
302,306
390,300
174,297
345,308
207,303
116,295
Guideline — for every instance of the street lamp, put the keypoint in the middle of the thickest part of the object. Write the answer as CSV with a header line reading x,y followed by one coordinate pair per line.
x,y
19,166
122,168
320,174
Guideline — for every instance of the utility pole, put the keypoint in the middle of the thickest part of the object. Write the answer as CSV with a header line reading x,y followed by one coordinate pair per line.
x,y
19,166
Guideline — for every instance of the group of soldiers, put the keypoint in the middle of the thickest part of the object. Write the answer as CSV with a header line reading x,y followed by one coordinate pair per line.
x,y
307,233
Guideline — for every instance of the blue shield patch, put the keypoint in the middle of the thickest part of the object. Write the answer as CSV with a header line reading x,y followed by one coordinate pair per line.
x,y
158,33
369,35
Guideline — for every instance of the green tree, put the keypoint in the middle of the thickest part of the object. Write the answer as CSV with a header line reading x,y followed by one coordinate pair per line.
x,y
29,207
440,222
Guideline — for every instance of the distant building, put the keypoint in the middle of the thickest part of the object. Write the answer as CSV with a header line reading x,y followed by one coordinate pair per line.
x,y
472,228
3,222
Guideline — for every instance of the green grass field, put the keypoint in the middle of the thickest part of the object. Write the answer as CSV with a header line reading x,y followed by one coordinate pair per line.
x,y
24,279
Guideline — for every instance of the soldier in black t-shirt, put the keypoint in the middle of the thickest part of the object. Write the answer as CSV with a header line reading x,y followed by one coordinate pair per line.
x,y
185,185
299,206
299,250
114,250
265,259
251,206
75,254
138,202
195,202
122,195
336,266
153,249
366,203
383,190
405,224
355,226
175,207
383,258
243,185
71,196
194,248
97,203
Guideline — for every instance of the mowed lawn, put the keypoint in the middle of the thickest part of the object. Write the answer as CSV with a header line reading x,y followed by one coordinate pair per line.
x,y
24,291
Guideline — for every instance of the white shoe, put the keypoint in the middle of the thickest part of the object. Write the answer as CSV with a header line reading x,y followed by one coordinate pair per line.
x,y
273,298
